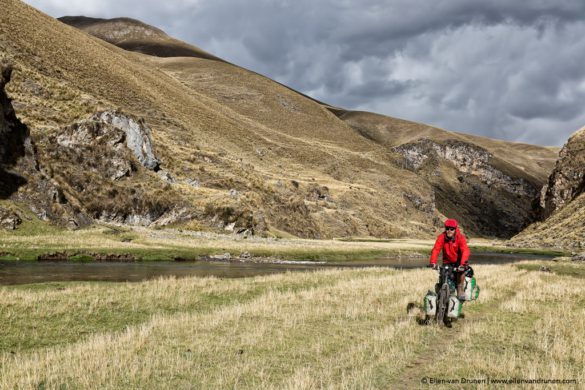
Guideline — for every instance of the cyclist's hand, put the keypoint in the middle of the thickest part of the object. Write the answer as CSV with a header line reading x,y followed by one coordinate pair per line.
x,y
461,268
433,266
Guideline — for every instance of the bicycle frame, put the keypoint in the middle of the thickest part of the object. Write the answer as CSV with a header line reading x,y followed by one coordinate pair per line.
x,y
446,275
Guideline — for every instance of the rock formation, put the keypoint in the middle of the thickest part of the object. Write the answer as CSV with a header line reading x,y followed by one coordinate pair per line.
x,y
94,162
137,136
562,203
467,158
567,181
473,185
114,132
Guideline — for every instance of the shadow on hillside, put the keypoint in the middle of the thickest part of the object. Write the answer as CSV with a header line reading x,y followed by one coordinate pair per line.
x,y
14,136
10,183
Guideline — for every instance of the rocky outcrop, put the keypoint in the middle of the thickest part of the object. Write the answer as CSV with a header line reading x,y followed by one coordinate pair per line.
x,y
491,197
562,202
468,159
138,136
88,171
567,180
117,130
96,166
80,162
9,220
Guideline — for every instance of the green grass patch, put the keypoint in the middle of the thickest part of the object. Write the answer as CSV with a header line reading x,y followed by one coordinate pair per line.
x,y
365,239
564,269
31,225
157,253
332,255
81,258
525,251
84,254
9,257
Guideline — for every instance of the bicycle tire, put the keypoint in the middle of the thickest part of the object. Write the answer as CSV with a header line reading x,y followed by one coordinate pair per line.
x,y
442,303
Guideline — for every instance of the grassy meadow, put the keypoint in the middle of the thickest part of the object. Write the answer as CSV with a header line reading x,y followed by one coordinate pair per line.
x,y
325,329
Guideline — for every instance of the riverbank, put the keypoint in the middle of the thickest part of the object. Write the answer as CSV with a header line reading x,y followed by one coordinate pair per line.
x,y
330,328
115,243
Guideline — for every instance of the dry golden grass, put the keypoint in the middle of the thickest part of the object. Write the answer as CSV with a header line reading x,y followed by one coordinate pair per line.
x,y
327,329
535,333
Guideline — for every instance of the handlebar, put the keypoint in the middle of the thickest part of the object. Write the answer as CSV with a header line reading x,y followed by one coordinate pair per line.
x,y
447,266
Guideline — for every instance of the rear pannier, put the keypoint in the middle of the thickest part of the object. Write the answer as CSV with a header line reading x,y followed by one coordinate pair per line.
x,y
471,289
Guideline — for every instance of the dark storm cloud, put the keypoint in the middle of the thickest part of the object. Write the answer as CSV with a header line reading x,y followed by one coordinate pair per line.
x,y
500,68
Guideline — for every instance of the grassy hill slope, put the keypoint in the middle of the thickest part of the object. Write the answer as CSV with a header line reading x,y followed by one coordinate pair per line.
x,y
490,184
315,179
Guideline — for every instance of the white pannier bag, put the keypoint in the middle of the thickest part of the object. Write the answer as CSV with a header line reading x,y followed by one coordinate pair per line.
x,y
430,303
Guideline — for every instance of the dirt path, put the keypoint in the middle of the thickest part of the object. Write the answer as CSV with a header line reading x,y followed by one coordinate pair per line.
x,y
416,369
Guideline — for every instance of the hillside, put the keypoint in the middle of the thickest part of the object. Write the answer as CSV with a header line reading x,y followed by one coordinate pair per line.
x,y
489,184
234,151
563,201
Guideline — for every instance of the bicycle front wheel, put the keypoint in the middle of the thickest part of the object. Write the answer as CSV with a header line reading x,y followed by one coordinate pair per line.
x,y
442,303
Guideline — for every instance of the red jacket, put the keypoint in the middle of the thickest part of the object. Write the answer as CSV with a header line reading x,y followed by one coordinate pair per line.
x,y
453,250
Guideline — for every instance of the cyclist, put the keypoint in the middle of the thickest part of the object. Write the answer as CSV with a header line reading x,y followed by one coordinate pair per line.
x,y
455,251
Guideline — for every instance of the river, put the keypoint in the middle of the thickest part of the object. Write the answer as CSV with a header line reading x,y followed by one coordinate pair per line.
x,y
15,272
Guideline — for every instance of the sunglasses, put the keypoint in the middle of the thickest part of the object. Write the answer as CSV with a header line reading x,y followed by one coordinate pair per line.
x,y
450,228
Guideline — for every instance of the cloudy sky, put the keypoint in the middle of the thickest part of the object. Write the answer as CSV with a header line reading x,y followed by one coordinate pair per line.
x,y
513,70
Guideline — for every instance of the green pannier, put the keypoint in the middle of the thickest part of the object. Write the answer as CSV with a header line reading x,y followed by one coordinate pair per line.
x,y
430,303
475,292
454,308
471,289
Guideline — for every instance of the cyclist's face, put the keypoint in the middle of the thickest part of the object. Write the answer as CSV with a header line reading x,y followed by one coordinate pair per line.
x,y
450,232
